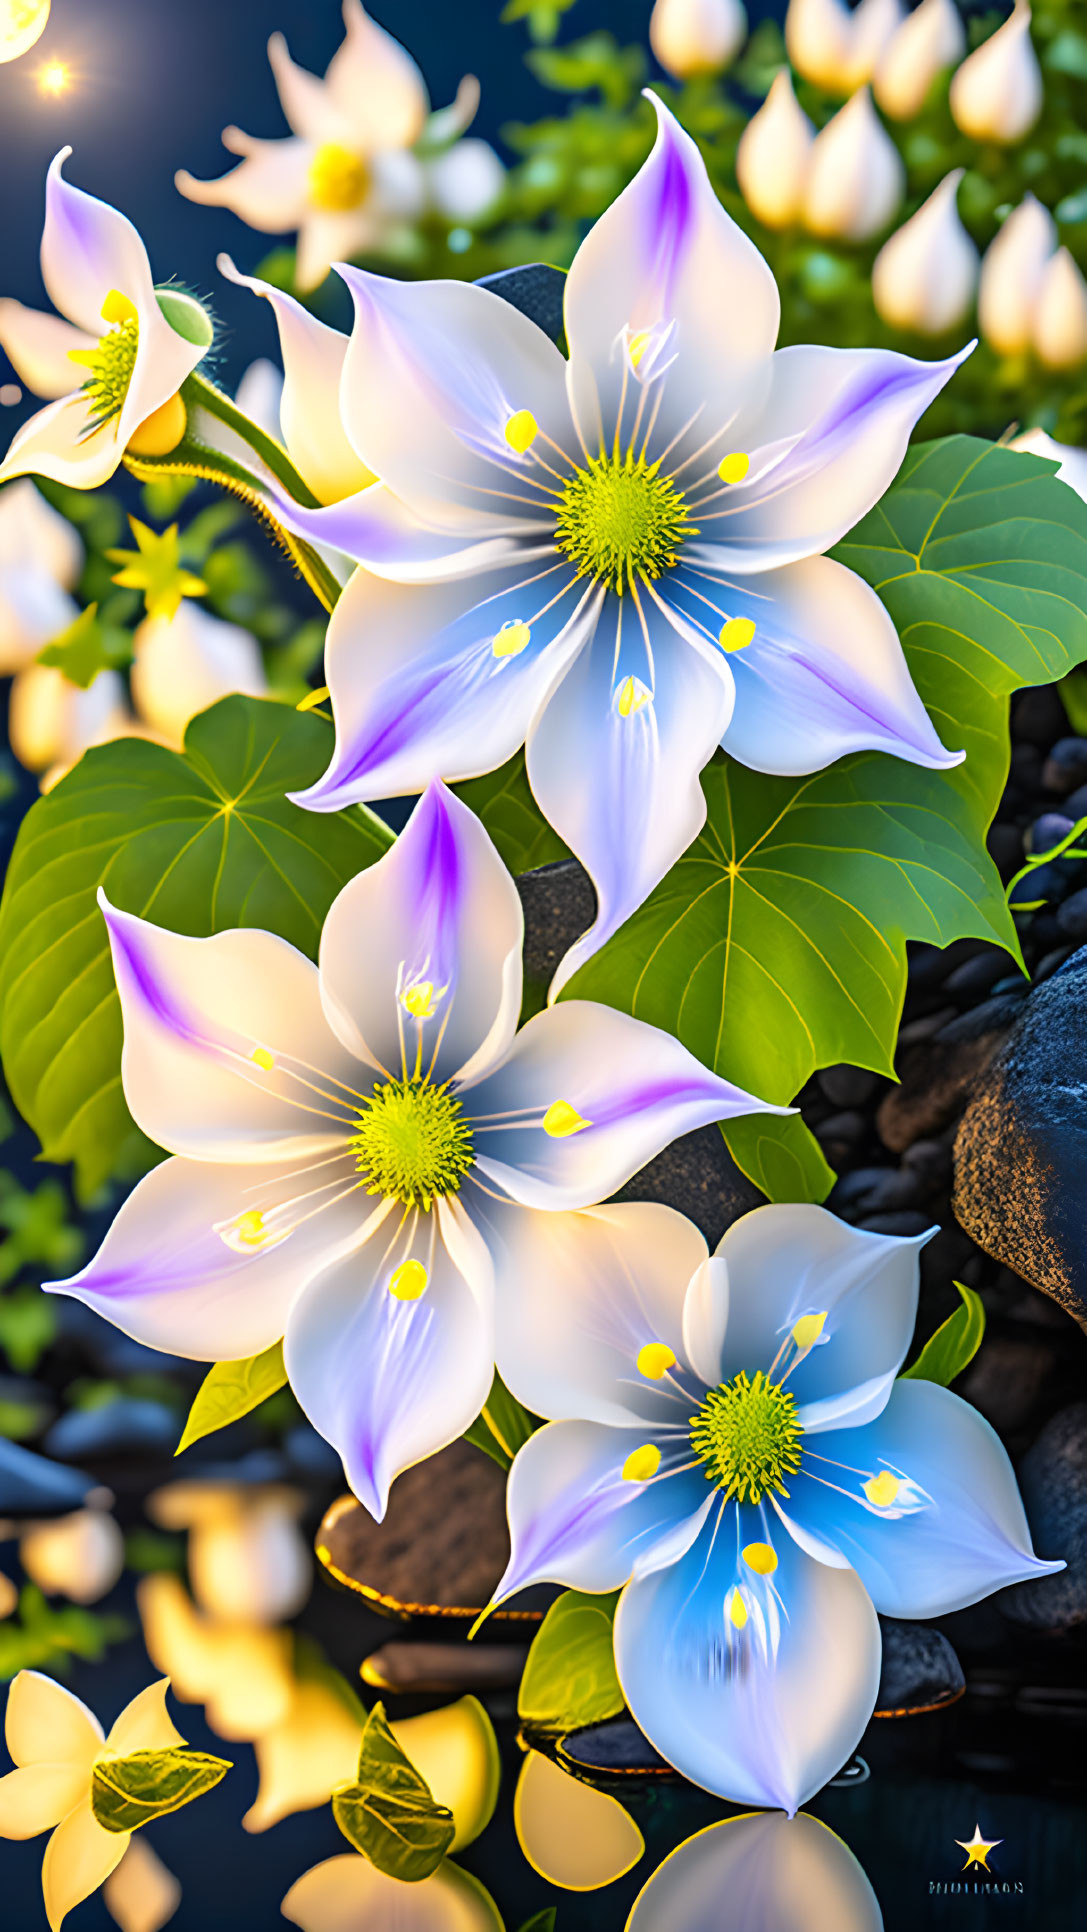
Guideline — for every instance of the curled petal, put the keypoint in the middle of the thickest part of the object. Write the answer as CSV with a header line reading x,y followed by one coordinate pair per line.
x,y
373,82
52,443
762,1713
375,529
390,1377
39,347
421,953
948,1527
584,1098
88,250
268,189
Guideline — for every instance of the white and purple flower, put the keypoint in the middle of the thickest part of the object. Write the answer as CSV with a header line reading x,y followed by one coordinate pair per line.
x,y
738,1453
357,1143
616,558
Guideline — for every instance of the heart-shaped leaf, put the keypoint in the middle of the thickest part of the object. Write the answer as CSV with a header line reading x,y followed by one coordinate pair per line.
x,y
569,1677
127,1792
389,1814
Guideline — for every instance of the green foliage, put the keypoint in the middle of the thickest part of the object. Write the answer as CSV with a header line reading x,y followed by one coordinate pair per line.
x,y
502,1425
199,842
797,899
541,1921
28,1325
1069,847
130,1791
570,1678
94,642
230,1390
954,1345
37,1232
503,800
389,1814
43,1637
780,1155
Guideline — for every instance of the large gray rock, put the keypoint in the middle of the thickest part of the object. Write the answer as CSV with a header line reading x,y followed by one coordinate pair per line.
x,y
1053,1482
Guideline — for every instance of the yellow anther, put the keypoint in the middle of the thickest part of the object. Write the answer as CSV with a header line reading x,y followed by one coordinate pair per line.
x,y
338,179
642,1464
409,1281
882,1490
737,1610
261,1057
761,1558
522,431
561,1119
162,431
736,633
418,1000
632,695
807,1330
512,639
733,469
249,1228
655,1360
638,344
118,307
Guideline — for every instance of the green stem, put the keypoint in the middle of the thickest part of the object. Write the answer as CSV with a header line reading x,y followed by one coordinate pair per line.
x,y
204,395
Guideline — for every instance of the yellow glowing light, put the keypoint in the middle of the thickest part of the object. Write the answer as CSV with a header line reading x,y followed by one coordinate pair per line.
x,y
22,22
54,79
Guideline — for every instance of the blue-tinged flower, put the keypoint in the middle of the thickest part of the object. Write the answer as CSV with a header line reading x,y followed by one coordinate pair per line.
x,y
113,359
738,1454
354,1140
778,1874
616,558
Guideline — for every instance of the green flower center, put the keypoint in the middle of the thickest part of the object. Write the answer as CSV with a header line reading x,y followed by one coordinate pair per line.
x,y
620,519
747,1434
338,179
111,362
412,1142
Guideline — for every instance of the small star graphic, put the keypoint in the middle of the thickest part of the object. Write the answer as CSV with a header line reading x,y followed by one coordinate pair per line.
x,y
977,1849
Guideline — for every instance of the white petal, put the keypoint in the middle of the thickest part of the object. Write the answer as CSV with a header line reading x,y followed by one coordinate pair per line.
x,y
51,722
778,1874
390,1381
79,1858
88,250
33,609
580,1296
259,394
39,346
145,1723
185,663
304,99
373,81
141,1894
52,443
38,1796
348,1894
269,188
856,177
35,537
997,93
46,1724
466,181
438,913
80,1556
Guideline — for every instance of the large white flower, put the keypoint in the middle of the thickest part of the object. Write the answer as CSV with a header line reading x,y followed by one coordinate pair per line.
x,y
346,178
352,1141
731,1444
618,558
114,358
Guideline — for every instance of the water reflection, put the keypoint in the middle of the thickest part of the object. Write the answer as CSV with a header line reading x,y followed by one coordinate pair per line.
x,y
776,1874
349,1895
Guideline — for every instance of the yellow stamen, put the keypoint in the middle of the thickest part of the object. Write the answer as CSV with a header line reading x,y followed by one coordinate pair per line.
x,y
761,1558
409,1281
737,1610
261,1057
807,1330
882,1490
512,639
118,307
162,431
736,634
338,179
418,1000
249,1228
561,1119
632,695
733,469
522,431
655,1360
638,344
642,1464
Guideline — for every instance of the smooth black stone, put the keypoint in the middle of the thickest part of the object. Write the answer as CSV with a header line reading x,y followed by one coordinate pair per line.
x,y
559,904
977,975
1053,1483
1050,962
1038,716
1050,882
919,1671
846,1127
1072,915
1066,767
901,1221
127,1426
30,1486
536,290
1076,803
930,1160
1005,843
847,1087
1048,831
992,1016
697,1175
1021,1148
616,1746
874,1190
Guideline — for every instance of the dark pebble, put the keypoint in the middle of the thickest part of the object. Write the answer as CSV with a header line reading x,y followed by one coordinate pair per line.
x,y
443,1670
919,1672
1050,962
1048,831
1053,1482
847,1086
847,1127
875,1187
977,975
1044,932
1007,1379
1005,844
1066,767
1076,803
904,1221
930,1160
1038,716
127,1426
1049,882
992,1016
559,904
1026,768
30,1486
915,1031
537,290
617,1745
1072,915
697,1175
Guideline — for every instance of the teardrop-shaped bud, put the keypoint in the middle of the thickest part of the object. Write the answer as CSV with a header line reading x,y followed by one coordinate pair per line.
x,y
1060,315
928,42
1011,276
997,93
773,155
924,278
874,25
819,42
856,178
692,37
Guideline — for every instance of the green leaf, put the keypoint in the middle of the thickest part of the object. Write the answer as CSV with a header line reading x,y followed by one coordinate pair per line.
x,y
504,801
781,1156
230,1390
777,944
127,1792
954,1345
569,1678
389,1814
541,1921
502,1425
198,841
92,644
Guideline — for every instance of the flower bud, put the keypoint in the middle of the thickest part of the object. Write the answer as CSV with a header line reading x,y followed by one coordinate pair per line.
x,y
1060,314
772,158
819,42
51,723
1011,276
924,278
692,37
928,41
79,1556
184,663
873,27
997,93
856,178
